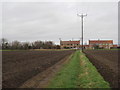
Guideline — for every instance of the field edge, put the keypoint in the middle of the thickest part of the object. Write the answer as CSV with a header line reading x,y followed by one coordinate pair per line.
x,y
89,77
78,73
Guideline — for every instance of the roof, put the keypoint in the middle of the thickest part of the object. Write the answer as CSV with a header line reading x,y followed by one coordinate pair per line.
x,y
70,42
100,41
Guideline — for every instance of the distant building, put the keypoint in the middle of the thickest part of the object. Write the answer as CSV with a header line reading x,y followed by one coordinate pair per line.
x,y
103,44
118,46
93,44
86,46
115,46
70,44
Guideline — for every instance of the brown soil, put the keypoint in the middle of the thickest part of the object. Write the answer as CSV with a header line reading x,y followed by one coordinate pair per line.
x,y
19,66
106,61
43,79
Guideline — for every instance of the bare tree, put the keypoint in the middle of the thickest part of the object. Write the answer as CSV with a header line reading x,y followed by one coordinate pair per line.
x,y
16,45
4,43
38,44
48,45
96,46
26,45
56,46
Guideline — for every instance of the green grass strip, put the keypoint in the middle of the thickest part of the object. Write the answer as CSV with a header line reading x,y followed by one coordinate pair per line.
x,y
78,73
89,77
68,75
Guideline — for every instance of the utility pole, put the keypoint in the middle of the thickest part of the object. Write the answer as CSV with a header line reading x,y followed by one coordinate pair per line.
x,y
82,16
60,40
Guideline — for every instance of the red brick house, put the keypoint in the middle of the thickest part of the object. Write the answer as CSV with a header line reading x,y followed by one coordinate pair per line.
x,y
86,46
105,44
70,44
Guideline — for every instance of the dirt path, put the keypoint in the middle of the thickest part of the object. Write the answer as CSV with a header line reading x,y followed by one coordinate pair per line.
x,y
41,80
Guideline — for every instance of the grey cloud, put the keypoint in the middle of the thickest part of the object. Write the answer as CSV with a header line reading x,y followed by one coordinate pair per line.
x,y
51,21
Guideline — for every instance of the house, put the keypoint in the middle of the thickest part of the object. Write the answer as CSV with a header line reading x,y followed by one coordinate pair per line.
x,y
70,44
103,44
115,46
86,46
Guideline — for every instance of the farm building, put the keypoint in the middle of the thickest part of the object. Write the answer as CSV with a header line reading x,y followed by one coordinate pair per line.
x,y
86,46
105,44
115,46
70,44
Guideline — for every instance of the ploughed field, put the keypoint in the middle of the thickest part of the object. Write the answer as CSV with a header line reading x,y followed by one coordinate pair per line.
x,y
106,61
19,66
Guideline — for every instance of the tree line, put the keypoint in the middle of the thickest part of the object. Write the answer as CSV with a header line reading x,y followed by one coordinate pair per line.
x,y
5,44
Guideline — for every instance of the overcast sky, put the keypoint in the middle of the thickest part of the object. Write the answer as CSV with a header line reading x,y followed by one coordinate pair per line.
x,y
30,21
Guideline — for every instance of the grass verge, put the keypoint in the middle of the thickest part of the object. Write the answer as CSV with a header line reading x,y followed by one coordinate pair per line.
x,y
78,73
67,76
89,77
50,49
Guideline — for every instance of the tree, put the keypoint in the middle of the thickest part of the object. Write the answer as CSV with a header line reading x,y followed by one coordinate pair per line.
x,y
26,45
57,46
38,44
16,45
96,46
4,43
